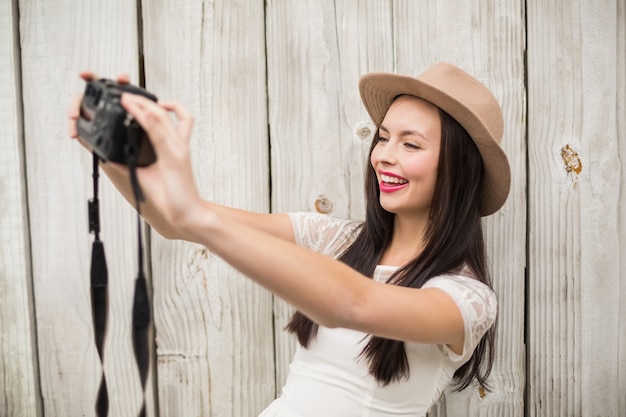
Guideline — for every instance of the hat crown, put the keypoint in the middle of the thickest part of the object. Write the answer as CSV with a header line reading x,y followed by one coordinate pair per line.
x,y
462,92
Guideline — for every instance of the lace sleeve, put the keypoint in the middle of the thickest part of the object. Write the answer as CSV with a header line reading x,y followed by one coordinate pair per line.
x,y
322,233
478,306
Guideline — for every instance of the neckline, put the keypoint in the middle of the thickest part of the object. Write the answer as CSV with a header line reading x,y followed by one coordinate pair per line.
x,y
387,267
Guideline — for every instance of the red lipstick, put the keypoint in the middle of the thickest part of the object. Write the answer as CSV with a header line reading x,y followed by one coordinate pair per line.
x,y
390,183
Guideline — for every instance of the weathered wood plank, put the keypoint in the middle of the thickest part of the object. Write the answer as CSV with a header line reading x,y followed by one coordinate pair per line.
x,y
19,387
59,38
620,111
488,42
576,240
214,327
320,131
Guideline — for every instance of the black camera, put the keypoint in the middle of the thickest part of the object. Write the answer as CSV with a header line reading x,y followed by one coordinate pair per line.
x,y
112,133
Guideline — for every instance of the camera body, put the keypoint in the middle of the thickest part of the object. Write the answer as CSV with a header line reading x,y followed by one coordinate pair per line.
x,y
108,128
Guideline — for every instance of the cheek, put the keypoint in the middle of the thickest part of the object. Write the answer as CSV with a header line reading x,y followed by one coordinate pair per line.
x,y
425,170
373,159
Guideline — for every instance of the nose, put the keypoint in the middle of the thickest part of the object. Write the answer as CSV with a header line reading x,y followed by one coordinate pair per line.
x,y
385,153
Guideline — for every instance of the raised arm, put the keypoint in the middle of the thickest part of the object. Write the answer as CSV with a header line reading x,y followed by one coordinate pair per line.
x,y
261,246
328,291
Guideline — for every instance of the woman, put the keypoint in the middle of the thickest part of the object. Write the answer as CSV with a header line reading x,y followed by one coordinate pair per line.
x,y
406,307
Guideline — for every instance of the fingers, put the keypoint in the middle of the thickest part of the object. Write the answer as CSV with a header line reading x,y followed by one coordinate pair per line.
x,y
185,119
123,78
74,109
146,111
72,115
152,117
88,75
168,137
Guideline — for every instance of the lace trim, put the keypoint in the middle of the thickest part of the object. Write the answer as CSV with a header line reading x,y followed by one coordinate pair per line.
x,y
477,303
322,233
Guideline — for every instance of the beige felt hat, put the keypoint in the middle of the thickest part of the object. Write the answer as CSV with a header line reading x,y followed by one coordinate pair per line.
x,y
464,98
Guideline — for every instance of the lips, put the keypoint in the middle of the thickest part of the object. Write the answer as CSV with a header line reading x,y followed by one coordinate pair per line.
x,y
390,183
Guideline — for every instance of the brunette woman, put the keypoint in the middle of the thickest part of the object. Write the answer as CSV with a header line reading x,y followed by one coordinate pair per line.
x,y
392,310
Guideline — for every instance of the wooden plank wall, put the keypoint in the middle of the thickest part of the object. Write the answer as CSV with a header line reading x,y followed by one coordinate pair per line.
x,y
18,359
576,199
279,126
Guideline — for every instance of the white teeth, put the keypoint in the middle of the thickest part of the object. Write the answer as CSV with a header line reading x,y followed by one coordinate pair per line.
x,y
392,180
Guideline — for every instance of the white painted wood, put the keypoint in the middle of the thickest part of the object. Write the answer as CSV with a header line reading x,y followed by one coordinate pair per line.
x,y
621,148
576,200
19,387
316,53
60,38
214,327
620,111
488,42
601,245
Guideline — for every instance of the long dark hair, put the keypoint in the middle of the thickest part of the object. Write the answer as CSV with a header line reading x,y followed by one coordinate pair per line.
x,y
453,241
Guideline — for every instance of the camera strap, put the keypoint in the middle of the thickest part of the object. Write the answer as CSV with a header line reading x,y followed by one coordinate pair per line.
x,y
99,289
141,304
99,281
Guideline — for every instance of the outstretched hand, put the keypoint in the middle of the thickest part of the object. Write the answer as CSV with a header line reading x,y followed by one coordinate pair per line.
x,y
171,195
168,184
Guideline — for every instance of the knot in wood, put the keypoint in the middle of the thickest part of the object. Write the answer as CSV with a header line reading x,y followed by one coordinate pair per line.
x,y
324,205
571,160
364,131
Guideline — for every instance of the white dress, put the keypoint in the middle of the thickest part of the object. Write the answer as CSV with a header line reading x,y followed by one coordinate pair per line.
x,y
328,379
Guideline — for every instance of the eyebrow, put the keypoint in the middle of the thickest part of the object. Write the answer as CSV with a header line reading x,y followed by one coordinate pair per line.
x,y
407,132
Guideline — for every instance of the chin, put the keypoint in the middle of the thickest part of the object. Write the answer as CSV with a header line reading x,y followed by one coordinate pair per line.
x,y
391,208
404,210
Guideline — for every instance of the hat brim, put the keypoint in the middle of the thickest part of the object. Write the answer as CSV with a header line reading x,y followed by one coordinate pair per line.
x,y
467,101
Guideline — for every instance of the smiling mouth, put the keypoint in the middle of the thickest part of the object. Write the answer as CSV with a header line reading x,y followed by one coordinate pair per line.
x,y
392,181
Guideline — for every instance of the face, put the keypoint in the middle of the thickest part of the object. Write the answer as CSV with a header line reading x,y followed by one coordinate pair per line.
x,y
406,156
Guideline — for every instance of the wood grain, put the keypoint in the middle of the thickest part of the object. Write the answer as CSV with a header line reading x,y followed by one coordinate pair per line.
x,y
575,232
214,327
19,386
620,111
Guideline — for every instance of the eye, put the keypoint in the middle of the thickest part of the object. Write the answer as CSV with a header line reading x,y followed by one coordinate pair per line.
x,y
412,146
382,139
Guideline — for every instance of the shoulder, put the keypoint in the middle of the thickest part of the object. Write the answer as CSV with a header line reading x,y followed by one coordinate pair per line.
x,y
466,291
477,303
460,282
323,233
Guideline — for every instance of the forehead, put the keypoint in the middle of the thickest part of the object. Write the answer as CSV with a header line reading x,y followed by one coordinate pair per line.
x,y
413,112
415,102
